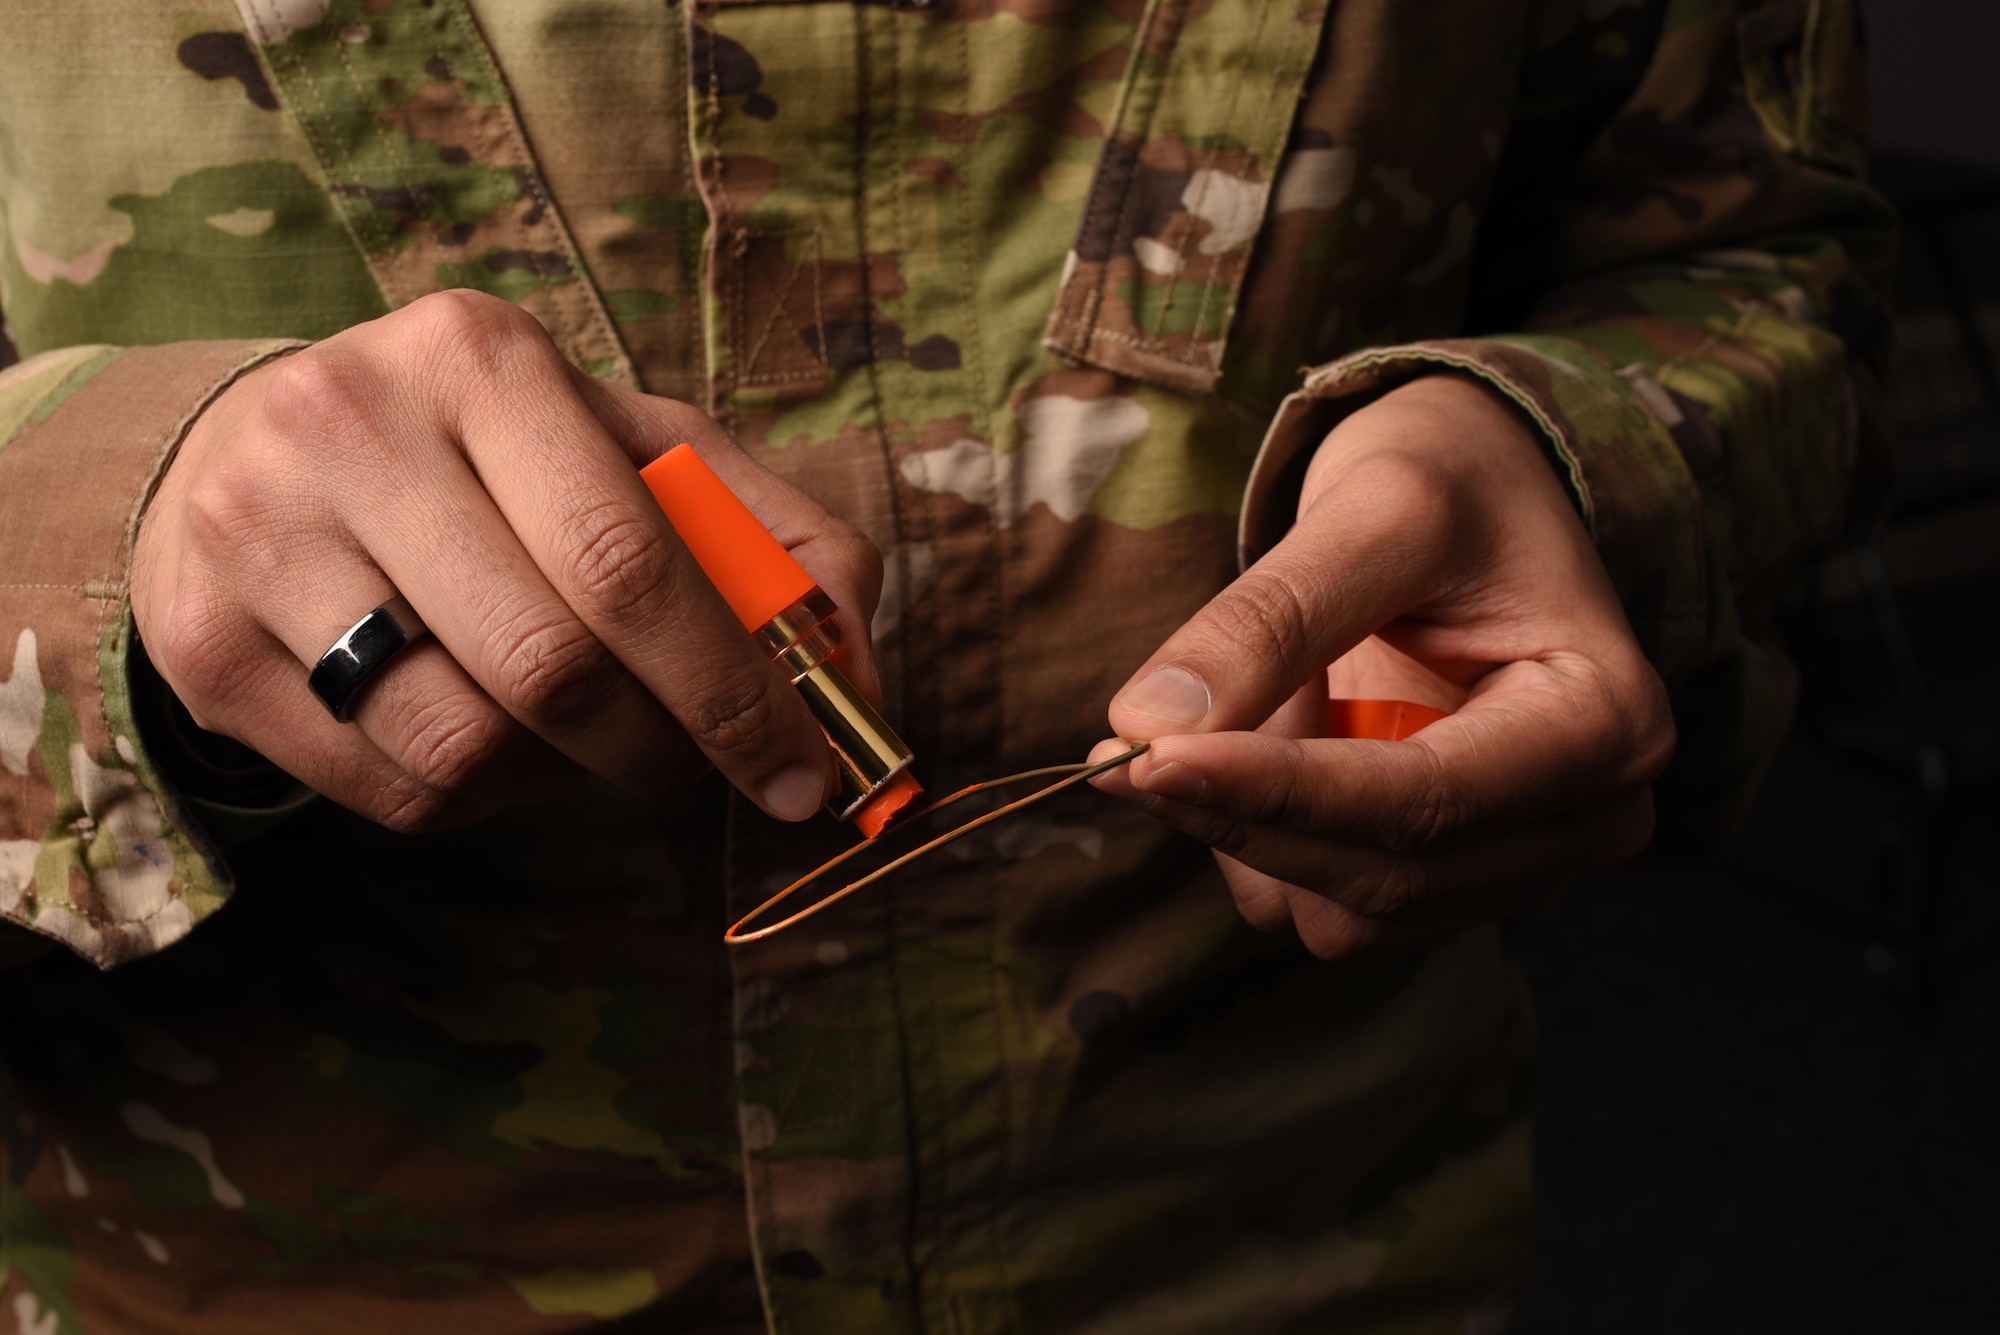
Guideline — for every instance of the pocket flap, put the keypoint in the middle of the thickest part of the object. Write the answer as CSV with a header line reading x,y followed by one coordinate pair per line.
x,y
1181,186
415,133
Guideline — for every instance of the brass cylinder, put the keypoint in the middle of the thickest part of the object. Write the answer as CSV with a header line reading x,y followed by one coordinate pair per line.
x,y
867,752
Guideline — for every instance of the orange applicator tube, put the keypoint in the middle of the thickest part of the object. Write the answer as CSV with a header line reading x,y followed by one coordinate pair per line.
x,y
779,604
1380,720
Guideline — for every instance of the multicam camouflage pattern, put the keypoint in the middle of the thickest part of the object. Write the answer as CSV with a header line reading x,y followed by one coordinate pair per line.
x,y
508,1079
1182,183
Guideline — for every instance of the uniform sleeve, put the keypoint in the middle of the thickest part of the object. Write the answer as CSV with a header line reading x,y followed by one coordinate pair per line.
x,y
1683,272
98,851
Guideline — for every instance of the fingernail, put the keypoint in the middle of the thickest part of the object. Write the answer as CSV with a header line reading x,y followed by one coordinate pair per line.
x,y
1172,696
794,793
1180,782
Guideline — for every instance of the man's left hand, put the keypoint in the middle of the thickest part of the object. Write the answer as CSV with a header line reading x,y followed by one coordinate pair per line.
x,y
1436,558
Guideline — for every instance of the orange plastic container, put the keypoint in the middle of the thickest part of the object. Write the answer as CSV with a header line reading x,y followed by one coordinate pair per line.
x,y
1381,720
751,569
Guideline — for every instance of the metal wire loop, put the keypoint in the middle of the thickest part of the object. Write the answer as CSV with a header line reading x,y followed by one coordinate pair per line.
x,y
741,933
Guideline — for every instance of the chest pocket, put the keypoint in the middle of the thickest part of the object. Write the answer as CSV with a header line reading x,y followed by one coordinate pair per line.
x,y
1181,187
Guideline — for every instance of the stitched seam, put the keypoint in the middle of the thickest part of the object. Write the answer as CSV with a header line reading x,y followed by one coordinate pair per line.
x,y
897,229
1092,335
79,587
402,257
750,358
983,425
691,283
1215,152
1235,80
930,1015
1195,340
529,180
589,327
295,73
977,354
739,313
1093,295
723,226
747,364
380,258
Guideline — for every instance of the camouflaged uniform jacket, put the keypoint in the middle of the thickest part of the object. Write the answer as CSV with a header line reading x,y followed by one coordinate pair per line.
x,y
1020,287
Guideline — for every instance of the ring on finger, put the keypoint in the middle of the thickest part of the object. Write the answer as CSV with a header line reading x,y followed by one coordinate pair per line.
x,y
357,657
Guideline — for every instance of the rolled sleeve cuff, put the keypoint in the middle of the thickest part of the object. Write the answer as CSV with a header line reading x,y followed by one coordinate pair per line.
x,y
1618,458
97,850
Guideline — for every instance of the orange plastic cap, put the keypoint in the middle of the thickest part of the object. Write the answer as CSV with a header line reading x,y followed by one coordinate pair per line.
x,y
893,799
1382,720
752,571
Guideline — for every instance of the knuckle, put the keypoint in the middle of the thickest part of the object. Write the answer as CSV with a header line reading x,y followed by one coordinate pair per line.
x,y
1407,491
473,330
856,557
406,805
1285,798
618,564
1431,812
1657,736
452,744
1262,616
1638,733
1387,891
1324,939
230,507
1327,929
1224,834
202,653
555,671
731,717
316,394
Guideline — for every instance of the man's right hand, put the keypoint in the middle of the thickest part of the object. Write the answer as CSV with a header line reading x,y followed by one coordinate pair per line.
x,y
448,453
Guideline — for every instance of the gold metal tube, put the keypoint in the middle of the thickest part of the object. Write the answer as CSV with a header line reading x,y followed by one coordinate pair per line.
x,y
867,752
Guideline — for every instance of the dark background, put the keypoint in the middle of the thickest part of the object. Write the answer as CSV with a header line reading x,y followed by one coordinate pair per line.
x,y
1769,1100
1768,1084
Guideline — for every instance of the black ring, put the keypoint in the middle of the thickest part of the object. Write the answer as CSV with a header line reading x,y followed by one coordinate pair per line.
x,y
355,659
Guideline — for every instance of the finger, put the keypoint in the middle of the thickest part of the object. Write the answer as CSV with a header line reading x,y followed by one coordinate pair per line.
x,y
422,711
845,565
255,691
1326,928
1534,740
568,491
1264,901
1366,557
444,543
1303,715
1474,881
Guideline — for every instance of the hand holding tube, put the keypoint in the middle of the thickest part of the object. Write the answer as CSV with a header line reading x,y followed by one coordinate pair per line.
x,y
448,454
792,618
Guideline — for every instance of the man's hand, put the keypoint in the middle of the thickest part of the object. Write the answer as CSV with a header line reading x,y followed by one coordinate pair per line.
x,y
448,453
1438,559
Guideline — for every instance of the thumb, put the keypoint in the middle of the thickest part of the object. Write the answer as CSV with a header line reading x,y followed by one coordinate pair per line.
x,y
1359,557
